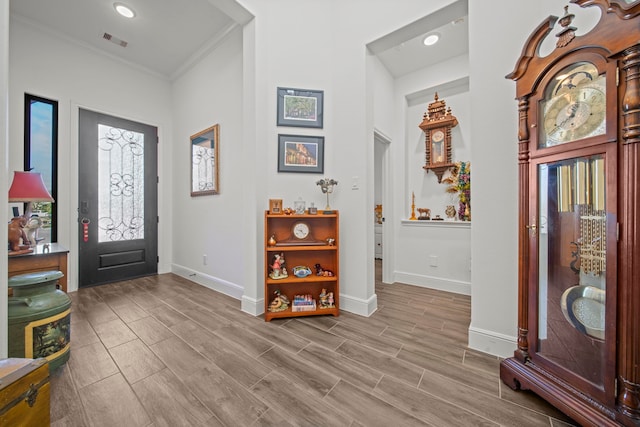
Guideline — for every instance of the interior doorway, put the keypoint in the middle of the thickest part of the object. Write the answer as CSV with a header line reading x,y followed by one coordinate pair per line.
x,y
381,185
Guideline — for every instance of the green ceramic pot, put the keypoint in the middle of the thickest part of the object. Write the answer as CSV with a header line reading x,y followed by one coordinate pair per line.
x,y
39,318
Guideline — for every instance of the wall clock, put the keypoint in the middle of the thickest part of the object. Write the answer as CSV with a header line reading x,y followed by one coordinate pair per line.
x,y
436,124
578,331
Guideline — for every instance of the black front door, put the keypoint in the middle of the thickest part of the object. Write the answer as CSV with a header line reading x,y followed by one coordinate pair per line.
x,y
117,199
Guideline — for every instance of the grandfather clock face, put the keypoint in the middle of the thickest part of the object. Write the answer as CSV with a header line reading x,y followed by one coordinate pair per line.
x,y
574,107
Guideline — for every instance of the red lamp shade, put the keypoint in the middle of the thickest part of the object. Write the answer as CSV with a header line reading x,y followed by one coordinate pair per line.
x,y
28,187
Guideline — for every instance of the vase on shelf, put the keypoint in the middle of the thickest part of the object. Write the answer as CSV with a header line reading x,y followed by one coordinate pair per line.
x,y
464,211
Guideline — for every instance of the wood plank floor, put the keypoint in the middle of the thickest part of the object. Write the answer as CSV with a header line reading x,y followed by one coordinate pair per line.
x,y
163,351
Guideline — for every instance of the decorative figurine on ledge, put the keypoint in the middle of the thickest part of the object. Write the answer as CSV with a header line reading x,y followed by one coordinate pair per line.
x,y
425,214
279,303
413,207
18,240
278,271
450,211
322,272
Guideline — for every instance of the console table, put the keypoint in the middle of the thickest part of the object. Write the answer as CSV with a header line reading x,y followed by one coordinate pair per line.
x,y
41,260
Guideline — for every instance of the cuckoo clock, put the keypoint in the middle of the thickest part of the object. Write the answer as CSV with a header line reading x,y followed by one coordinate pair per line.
x,y
436,125
579,214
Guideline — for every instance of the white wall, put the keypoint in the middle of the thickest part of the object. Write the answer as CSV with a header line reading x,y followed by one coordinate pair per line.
x,y
76,76
4,145
211,93
321,45
494,126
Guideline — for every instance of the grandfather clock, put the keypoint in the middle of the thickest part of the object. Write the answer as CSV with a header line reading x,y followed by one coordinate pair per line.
x,y
579,217
436,125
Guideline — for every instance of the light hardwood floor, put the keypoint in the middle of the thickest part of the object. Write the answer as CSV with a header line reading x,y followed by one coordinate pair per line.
x,y
163,351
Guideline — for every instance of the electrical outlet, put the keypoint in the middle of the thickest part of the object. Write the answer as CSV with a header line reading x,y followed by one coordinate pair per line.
x,y
204,259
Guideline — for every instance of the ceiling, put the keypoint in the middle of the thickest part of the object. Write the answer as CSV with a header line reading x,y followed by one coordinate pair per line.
x,y
164,37
403,51
167,36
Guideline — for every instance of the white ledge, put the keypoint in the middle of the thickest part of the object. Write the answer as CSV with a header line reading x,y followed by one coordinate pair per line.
x,y
440,224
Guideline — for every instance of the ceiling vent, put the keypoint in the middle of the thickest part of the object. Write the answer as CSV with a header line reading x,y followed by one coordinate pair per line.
x,y
115,40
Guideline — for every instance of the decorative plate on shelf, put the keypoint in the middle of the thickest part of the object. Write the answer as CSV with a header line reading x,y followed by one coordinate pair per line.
x,y
301,271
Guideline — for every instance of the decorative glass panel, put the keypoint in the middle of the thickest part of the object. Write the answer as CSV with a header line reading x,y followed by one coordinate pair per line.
x,y
120,184
572,265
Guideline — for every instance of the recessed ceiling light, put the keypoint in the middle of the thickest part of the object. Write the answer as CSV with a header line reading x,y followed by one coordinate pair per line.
x,y
431,39
124,10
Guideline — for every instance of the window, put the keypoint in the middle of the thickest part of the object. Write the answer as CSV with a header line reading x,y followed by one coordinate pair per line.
x,y
41,155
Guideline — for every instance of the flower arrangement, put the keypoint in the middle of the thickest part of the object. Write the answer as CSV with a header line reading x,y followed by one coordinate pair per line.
x,y
460,182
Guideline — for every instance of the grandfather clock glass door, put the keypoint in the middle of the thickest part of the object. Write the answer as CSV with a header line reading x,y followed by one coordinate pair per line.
x,y
118,219
575,269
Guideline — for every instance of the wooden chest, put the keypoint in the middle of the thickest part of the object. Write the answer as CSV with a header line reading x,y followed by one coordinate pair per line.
x,y
24,392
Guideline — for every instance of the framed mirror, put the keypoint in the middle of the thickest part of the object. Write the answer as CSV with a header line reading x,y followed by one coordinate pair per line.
x,y
204,162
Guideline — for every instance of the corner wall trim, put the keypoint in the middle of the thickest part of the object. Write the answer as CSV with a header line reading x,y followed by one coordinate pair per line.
x,y
359,306
492,342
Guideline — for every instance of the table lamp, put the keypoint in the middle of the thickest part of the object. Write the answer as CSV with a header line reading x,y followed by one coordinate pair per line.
x,y
27,187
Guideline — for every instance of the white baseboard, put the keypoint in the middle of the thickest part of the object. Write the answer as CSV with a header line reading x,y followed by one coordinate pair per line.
x,y
214,283
254,307
492,342
359,306
455,286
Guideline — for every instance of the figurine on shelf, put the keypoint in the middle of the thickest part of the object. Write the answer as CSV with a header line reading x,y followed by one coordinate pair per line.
x,y
331,241
326,299
425,213
277,268
301,271
323,298
322,272
279,303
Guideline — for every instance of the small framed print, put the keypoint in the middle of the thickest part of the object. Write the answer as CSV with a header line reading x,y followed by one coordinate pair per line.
x,y
275,206
300,107
298,153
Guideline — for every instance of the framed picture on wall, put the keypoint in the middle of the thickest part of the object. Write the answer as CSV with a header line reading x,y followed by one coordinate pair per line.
x,y
300,107
297,153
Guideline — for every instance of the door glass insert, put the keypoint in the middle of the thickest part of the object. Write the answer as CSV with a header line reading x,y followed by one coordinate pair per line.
x,y
120,184
572,265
